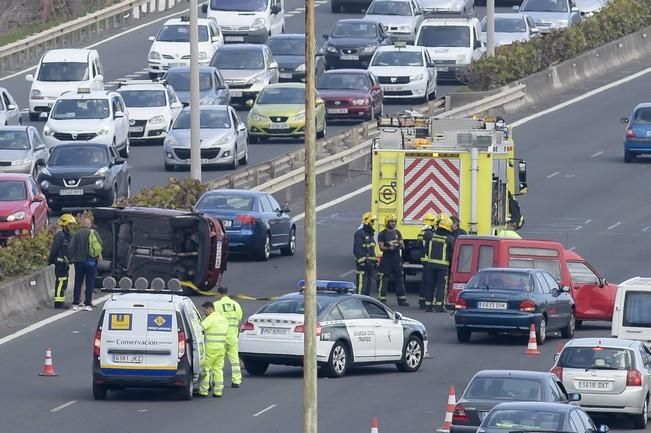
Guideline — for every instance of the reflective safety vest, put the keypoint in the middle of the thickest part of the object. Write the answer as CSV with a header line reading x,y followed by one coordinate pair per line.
x,y
435,247
215,328
232,311
511,234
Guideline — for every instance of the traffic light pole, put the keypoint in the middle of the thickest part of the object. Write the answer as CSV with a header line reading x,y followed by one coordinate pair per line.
x,y
490,28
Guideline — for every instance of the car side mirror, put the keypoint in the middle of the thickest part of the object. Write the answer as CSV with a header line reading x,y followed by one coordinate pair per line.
x,y
249,103
602,281
574,396
603,429
176,105
118,114
555,292
286,208
556,356
397,316
44,115
516,8
151,38
29,78
431,65
241,127
623,120
534,30
204,8
119,161
215,39
99,77
565,289
11,107
38,148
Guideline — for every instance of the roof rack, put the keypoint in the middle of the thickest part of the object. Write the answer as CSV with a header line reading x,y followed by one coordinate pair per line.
x,y
332,286
142,285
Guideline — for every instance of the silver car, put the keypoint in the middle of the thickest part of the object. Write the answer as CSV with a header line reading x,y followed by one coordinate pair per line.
x,y
9,110
612,375
21,150
551,14
223,139
400,18
449,6
510,28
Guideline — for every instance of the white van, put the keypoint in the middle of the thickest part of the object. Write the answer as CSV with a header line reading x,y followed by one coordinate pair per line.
x,y
250,21
61,71
632,313
150,340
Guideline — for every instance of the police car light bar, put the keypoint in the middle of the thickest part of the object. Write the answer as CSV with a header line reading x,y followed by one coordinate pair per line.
x,y
330,285
141,285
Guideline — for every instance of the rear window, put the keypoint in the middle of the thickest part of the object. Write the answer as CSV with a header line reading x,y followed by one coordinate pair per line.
x,y
524,419
551,266
465,258
602,358
500,280
504,388
485,257
637,309
225,201
293,306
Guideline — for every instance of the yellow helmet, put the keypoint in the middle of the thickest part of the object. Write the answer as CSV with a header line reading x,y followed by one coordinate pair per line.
x,y
66,219
429,219
445,222
368,218
390,217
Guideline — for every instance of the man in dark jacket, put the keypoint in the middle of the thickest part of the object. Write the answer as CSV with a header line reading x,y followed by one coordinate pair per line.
x,y
391,244
59,258
85,265
364,252
456,229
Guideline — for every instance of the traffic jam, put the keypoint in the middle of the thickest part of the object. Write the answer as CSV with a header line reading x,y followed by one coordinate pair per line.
x,y
440,233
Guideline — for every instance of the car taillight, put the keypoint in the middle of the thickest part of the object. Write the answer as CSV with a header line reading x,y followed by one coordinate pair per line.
x,y
528,306
630,133
633,378
247,326
181,344
97,342
300,329
459,416
460,304
558,371
246,220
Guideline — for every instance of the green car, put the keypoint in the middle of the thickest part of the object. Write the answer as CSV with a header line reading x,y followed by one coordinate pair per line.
x,y
279,111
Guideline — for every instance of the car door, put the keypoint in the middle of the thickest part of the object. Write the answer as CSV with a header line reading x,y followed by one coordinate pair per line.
x,y
240,133
647,370
39,150
417,16
196,340
118,171
559,301
38,205
478,47
547,301
281,222
388,332
216,38
13,113
589,297
271,65
175,104
431,70
121,123
361,329
271,218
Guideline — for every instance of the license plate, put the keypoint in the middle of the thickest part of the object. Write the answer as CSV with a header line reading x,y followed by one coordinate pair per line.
x,y
349,57
174,65
235,38
593,385
128,359
337,110
227,223
274,331
278,126
442,68
492,305
71,192
136,128
236,94
396,89
285,75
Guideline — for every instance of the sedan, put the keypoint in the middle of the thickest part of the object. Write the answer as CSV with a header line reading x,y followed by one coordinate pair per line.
x,y
23,209
488,388
511,300
612,375
222,137
510,28
351,94
289,51
21,150
254,221
539,417
352,42
400,18
212,87
637,137
550,14
279,111
84,175
9,110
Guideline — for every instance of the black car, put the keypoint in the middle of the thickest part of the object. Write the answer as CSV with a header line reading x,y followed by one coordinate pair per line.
x,y
487,388
84,175
352,42
212,88
289,51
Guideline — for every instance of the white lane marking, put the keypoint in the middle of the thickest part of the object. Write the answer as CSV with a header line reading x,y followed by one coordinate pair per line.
x,y
264,410
347,273
580,98
63,406
578,228
335,202
556,173
588,221
596,154
614,225
645,229
47,321
572,248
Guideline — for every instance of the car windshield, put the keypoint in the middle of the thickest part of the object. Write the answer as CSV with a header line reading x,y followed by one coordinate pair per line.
x,y
144,98
239,5
444,36
287,46
208,119
12,190
63,71
78,109
500,280
506,25
339,81
544,6
294,306
238,59
504,388
180,80
78,156
354,30
602,358
282,95
226,202
398,58
180,33
642,115
524,419
637,309
389,8
13,140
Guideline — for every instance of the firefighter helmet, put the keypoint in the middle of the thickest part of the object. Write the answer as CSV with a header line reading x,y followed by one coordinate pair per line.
x,y
389,218
368,218
445,222
66,219
429,219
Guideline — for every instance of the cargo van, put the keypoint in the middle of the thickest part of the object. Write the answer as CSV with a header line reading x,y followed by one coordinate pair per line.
x,y
593,295
251,21
632,313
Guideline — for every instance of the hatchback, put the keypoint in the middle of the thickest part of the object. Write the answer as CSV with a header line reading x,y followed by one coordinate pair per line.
x,y
637,136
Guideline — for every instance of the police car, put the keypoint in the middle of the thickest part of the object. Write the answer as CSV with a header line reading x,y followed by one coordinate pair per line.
x,y
352,330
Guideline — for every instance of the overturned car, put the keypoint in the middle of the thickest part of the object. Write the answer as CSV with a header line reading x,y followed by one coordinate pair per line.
x,y
161,243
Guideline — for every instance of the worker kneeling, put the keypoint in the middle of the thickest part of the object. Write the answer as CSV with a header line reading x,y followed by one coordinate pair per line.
x,y
215,329
437,243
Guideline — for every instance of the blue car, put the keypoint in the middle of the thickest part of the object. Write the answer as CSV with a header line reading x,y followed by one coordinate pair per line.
x,y
254,221
511,300
637,138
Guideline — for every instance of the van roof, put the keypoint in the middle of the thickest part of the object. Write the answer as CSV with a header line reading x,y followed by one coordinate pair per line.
x,y
77,55
155,300
637,281
536,242
600,342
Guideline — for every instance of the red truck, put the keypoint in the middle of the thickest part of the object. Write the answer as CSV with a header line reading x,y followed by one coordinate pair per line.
x,y
593,295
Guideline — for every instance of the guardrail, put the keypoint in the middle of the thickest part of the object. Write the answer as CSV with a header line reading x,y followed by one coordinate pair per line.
x,y
504,97
83,28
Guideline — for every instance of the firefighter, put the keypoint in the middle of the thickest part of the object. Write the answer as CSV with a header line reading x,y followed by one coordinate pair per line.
x,y
232,311
515,215
430,220
391,244
215,329
436,262
364,252
509,231
59,258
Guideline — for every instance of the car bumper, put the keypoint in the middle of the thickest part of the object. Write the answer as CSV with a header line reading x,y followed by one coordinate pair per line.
x,y
244,240
450,72
160,67
209,156
291,76
240,96
349,112
402,36
335,61
628,402
14,228
276,350
273,129
416,89
640,145
463,428
90,196
51,141
141,377
147,132
259,36
41,105
477,321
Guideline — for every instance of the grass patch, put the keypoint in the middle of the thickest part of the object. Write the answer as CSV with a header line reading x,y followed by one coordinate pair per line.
x,y
27,30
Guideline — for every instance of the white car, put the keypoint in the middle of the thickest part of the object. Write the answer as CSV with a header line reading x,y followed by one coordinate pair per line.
x,y
449,6
352,330
153,107
171,47
404,72
61,71
251,21
400,18
84,115
9,110
510,27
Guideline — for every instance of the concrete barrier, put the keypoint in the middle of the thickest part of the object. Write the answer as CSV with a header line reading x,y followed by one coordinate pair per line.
x,y
24,294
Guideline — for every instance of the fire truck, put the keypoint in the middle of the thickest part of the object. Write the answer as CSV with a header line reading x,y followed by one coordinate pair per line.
x,y
464,167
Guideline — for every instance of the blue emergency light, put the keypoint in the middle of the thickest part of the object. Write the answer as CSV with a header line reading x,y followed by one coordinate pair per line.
x,y
330,286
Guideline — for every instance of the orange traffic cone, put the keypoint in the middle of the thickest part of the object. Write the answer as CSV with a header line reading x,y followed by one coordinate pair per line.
x,y
374,425
532,346
452,402
48,367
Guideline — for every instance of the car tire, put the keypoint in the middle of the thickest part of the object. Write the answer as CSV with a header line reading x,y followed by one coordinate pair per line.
x,y
568,331
629,156
34,117
579,324
170,167
186,391
640,421
255,367
338,361
412,355
236,162
264,250
541,331
254,139
322,133
99,391
290,249
124,152
245,158
463,335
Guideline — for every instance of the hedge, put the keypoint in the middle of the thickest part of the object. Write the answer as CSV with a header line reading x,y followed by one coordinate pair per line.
x,y
520,59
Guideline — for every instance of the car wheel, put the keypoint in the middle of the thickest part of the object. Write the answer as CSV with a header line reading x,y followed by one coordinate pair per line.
x,y
568,331
463,335
187,390
99,391
255,367
541,331
337,364
235,163
412,355
640,421
34,117
245,158
170,167
431,95
322,133
629,156
579,324
290,249
264,251
124,153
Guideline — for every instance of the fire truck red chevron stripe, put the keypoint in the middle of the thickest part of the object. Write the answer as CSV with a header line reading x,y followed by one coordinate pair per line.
x,y
431,185
446,194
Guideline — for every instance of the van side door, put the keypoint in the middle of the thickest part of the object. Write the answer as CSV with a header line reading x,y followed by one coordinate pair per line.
x,y
196,340
478,49
592,301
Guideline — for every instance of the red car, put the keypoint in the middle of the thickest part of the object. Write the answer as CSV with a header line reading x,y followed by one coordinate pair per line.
x,y
350,94
23,209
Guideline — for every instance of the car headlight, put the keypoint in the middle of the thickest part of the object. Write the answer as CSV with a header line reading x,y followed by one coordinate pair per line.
x,y
154,55
256,117
258,23
45,184
361,101
405,28
102,171
416,77
203,55
462,59
300,68
368,50
47,131
298,116
99,183
17,216
331,49
157,120
21,162
223,140
36,94
104,130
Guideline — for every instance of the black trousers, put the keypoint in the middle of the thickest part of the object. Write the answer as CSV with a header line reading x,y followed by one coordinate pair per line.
x,y
391,269
366,277
61,274
84,273
433,284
